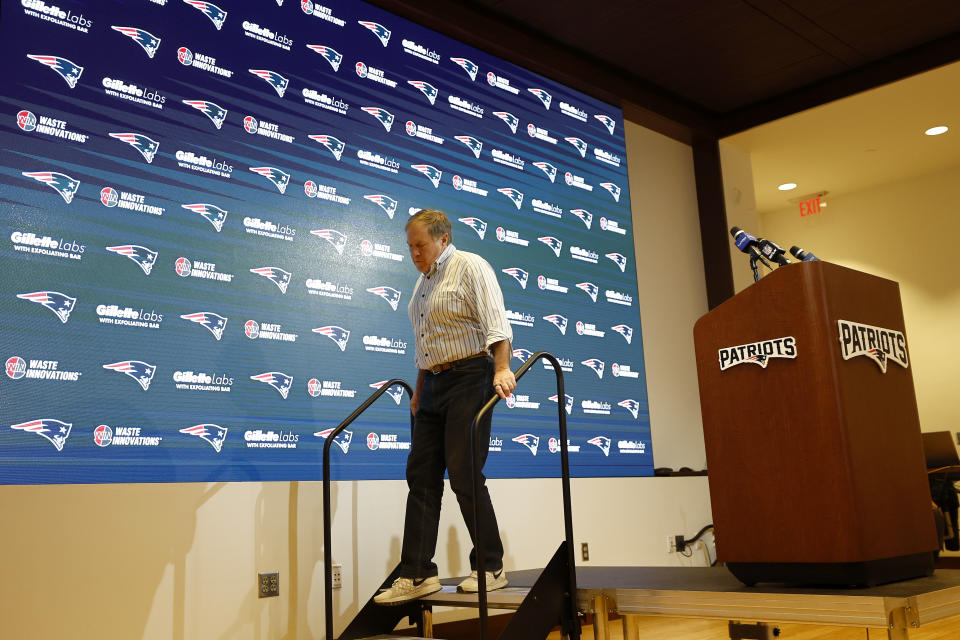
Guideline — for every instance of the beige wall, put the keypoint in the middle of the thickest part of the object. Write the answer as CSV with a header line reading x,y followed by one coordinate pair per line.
x,y
178,561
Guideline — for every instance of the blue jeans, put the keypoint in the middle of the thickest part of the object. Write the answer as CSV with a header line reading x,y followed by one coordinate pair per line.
x,y
449,401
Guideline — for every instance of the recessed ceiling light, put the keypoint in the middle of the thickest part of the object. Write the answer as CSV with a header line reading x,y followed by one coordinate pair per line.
x,y
787,186
935,131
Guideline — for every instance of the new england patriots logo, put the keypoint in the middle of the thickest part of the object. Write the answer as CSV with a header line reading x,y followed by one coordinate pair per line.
x,y
395,391
144,257
276,275
215,323
136,369
585,216
590,289
530,441
625,331
332,144
432,173
145,39
388,204
391,295
382,33
277,81
342,440
511,120
630,405
513,194
59,182
214,215
545,97
338,334
279,381
472,143
55,431
146,146
468,66
384,116
61,304
602,442
329,54
596,365
215,112
558,321
613,189
548,169
568,404
212,11
426,88
476,224
619,259
579,145
553,243
334,237
214,434
280,179
520,275
522,354
67,70
607,121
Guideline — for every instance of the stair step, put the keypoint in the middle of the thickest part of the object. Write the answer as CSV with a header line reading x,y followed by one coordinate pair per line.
x,y
505,598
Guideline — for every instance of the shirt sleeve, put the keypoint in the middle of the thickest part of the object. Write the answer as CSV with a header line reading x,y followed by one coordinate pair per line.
x,y
491,313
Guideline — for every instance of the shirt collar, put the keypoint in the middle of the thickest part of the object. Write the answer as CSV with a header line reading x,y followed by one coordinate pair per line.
x,y
443,257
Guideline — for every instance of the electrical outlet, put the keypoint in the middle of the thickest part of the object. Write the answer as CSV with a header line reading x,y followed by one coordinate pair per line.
x,y
585,551
679,543
336,576
671,544
268,584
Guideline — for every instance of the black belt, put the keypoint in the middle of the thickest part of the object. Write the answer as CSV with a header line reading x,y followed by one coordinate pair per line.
x,y
446,366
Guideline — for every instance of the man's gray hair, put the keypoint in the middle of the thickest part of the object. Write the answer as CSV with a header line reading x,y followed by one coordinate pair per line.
x,y
436,221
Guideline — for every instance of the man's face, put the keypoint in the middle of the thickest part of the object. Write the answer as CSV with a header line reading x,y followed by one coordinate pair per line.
x,y
424,248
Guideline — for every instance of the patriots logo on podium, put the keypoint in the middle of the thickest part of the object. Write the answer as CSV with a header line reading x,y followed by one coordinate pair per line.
x,y
625,331
384,116
214,215
329,54
395,391
279,381
568,403
513,194
528,440
391,295
277,81
519,274
607,121
136,369
339,335
146,146
426,89
212,11
553,243
470,67
276,275
619,259
382,33
472,143
476,224
215,112
522,354
61,304
215,323
585,216
545,97
59,182
579,145
431,172
214,434
548,169
558,321
55,431
334,237
342,440
388,204
69,71
613,189
595,364
280,179
590,289
630,405
145,39
144,257
601,442
333,145
511,120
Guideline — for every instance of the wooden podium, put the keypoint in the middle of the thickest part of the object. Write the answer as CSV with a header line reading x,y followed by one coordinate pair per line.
x,y
813,444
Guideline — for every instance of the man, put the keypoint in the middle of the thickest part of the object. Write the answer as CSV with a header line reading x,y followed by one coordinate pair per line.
x,y
459,321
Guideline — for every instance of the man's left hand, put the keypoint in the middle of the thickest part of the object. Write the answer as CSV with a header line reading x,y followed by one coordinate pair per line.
x,y
504,382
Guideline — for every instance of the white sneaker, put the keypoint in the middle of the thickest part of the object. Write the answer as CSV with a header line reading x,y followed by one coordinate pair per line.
x,y
495,580
407,589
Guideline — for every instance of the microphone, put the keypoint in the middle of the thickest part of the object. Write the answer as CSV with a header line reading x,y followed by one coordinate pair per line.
x,y
772,251
749,245
802,255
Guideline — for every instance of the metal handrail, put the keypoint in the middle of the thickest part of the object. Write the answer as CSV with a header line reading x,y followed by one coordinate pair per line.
x,y
565,480
327,557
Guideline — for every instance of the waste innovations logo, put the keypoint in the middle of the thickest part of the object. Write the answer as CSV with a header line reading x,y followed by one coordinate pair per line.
x,y
320,11
203,62
129,201
18,368
186,268
266,129
45,125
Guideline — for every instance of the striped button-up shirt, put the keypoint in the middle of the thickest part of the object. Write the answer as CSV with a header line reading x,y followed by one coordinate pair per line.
x,y
456,309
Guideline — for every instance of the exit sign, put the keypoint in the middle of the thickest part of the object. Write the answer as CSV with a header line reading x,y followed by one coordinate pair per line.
x,y
810,207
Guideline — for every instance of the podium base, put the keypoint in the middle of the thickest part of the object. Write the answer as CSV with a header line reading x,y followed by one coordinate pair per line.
x,y
839,574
